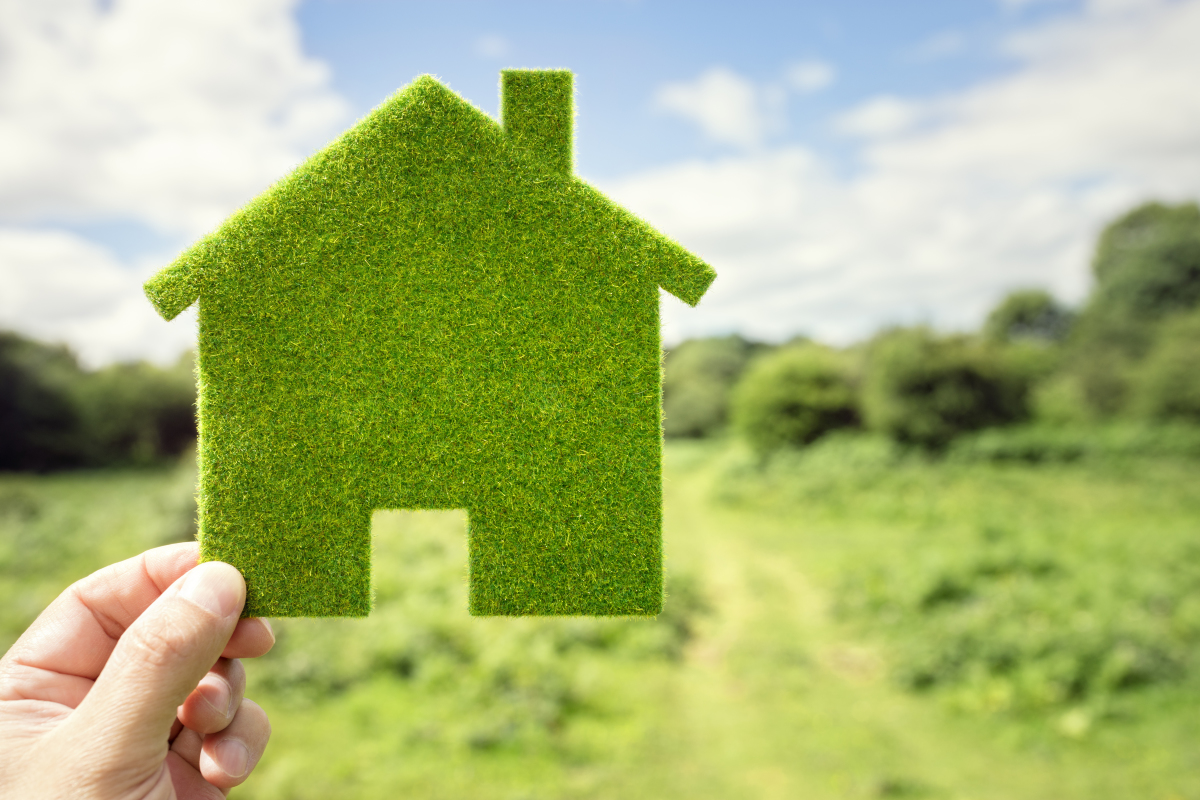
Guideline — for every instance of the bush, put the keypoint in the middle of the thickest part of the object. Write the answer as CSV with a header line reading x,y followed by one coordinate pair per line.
x,y
1168,383
1034,444
1029,314
698,378
1015,624
793,396
924,390
1082,394
138,413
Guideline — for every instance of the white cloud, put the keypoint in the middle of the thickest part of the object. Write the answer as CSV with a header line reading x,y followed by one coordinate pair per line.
x,y
1103,96
59,287
492,45
729,109
167,114
732,109
810,76
1002,185
880,116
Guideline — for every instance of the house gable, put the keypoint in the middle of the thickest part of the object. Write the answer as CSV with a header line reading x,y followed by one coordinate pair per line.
x,y
429,136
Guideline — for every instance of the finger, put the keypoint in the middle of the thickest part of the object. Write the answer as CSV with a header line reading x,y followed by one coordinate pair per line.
x,y
187,746
188,783
228,757
251,639
157,663
211,705
77,633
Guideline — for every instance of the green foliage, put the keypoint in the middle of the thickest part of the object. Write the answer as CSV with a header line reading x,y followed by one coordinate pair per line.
x,y
1147,268
137,413
1147,263
698,377
426,314
512,681
1028,314
1017,622
57,529
1039,443
766,690
793,396
1094,386
997,585
1168,385
54,414
926,390
39,416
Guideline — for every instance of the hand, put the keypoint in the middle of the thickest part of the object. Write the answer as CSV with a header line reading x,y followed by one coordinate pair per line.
x,y
128,686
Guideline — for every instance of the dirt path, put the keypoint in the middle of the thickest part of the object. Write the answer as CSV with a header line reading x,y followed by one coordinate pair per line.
x,y
777,700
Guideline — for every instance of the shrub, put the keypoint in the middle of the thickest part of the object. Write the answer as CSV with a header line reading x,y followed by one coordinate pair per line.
x,y
137,413
698,377
924,390
1168,383
1029,314
793,396
1039,443
1009,624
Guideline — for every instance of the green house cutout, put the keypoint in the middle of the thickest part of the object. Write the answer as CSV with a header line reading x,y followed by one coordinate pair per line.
x,y
434,313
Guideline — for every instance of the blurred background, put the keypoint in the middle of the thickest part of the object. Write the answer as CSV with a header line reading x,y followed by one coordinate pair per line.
x,y
933,437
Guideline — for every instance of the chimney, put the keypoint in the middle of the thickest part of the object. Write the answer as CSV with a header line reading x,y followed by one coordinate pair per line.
x,y
538,113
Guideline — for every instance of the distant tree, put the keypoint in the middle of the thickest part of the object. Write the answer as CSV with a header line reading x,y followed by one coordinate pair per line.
x,y
793,396
139,413
1028,315
1147,263
56,415
40,419
1147,270
699,375
924,390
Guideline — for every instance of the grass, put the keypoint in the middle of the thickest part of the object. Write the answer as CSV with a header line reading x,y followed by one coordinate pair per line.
x,y
772,673
57,529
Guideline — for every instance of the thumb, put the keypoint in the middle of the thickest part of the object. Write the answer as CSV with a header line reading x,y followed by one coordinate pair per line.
x,y
158,661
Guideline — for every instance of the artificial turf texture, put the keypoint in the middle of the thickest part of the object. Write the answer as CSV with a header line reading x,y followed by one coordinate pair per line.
x,y
433,313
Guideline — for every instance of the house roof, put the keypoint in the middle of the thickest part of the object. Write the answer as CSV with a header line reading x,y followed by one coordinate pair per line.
x,y
423,149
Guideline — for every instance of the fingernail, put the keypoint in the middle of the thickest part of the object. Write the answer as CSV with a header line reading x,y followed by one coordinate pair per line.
x,y
217,692
266,624
232,757
214,586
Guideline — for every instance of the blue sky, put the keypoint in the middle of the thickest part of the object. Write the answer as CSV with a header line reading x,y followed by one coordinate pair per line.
x,y
844,166
623,51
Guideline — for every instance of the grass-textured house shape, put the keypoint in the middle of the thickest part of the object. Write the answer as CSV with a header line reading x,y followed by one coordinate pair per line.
x,y
434,313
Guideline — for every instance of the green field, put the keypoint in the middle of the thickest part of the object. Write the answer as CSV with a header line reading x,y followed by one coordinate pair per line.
x,y
850,622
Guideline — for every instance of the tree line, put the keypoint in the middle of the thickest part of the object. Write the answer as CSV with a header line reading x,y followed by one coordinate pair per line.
x,y
1131,351
54,414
